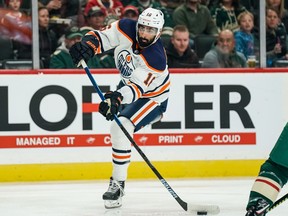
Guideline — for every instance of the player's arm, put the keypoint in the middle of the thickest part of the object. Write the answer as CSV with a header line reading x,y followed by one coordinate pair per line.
x,y
127,94
95,42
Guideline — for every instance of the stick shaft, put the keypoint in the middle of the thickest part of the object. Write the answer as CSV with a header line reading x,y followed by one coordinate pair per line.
x,y
278,202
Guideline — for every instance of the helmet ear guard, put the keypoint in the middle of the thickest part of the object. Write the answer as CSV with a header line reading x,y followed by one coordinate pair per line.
x,y
153,18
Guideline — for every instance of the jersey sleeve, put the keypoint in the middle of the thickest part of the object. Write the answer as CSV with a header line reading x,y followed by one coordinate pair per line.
x,y
108,37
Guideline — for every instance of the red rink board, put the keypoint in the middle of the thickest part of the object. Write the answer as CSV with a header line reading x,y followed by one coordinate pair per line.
x,y
100,140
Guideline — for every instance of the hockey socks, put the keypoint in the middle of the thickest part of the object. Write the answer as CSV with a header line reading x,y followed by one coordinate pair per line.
x,y
271,179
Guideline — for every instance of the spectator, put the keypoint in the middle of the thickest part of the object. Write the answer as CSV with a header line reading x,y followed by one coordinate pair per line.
x,y
210,3
179,52
244,39
126,2
196,17
15,24
52,5
144,4
171,5
130,12
85,29
62,59
111,7
63,13
110,19
250,5
26,6
275,37
47,40
224,55
95,18
225,14
279,6
71,9
272,177
47,37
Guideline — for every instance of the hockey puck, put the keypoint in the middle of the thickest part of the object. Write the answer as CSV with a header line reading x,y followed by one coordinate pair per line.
x,y
202,213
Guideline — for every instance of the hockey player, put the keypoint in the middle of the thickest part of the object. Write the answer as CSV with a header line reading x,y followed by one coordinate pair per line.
x,y
272,177
141,60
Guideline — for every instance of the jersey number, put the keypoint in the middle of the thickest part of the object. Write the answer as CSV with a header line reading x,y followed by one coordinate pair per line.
x,y
149,79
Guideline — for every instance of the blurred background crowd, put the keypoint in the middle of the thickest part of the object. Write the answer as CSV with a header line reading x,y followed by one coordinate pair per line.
x,y
197,33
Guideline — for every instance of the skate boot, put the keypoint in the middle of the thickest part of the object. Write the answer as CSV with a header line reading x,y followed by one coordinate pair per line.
x,y
113,196
258,209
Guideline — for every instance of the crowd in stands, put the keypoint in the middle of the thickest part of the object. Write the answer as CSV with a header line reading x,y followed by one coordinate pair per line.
x,y
197,33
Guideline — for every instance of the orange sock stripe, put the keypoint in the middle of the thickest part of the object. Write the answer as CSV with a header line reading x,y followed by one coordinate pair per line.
x,y
121,157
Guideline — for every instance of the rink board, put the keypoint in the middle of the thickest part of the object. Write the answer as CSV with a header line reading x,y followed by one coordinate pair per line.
x,y
218,123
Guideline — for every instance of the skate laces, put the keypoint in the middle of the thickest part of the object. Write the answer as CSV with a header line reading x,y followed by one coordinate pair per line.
x,y
262,205
258,209
114,186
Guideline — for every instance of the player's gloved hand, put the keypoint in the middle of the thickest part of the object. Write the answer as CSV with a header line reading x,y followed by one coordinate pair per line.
x,y
85,49
110,105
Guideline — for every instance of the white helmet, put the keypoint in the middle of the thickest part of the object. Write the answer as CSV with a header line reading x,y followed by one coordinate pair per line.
x,y
153,18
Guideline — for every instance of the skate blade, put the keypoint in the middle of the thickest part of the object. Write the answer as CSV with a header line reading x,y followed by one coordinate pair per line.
x,y
110,204
113,212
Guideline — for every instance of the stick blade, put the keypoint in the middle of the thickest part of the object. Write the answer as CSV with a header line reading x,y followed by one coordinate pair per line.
x,y
210,209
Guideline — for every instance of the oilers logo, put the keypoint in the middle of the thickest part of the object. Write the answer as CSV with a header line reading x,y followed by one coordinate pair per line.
x,y
125,63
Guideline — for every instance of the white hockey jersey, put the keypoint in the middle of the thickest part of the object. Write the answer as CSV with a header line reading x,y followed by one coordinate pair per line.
x,y
145,71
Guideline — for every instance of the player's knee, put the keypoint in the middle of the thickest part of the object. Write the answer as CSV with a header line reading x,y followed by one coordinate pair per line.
x,y
117,135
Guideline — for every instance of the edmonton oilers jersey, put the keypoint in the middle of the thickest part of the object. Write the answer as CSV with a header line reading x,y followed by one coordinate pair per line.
x,y
144,71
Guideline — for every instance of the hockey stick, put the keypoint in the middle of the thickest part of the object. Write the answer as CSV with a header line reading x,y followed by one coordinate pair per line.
x,y
196,209
277,203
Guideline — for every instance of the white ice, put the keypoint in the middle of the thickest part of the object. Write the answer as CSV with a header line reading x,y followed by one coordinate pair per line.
x,y
142,198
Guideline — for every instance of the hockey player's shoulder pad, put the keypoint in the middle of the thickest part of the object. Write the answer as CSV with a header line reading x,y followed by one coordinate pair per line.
x,y
155,56
128,28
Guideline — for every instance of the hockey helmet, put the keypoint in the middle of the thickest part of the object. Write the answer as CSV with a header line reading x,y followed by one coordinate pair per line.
x,y
153,18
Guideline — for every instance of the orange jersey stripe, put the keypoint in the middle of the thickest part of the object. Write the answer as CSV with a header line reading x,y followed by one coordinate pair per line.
x,y
137,91
160,91
143,111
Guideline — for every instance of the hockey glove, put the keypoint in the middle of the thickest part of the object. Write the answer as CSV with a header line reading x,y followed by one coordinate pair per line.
x,y
110,106
85,49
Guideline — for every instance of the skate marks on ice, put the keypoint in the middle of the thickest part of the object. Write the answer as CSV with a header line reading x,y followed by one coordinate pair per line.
x,y
142,198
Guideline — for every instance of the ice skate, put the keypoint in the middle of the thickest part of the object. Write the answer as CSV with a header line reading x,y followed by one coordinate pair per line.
x,y
113,196
258,209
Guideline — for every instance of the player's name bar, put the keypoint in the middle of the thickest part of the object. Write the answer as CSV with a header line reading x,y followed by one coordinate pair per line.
x,y
155,139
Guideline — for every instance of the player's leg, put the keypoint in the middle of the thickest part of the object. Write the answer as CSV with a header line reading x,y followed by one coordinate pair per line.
x,y
272,177
133,117
121,153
